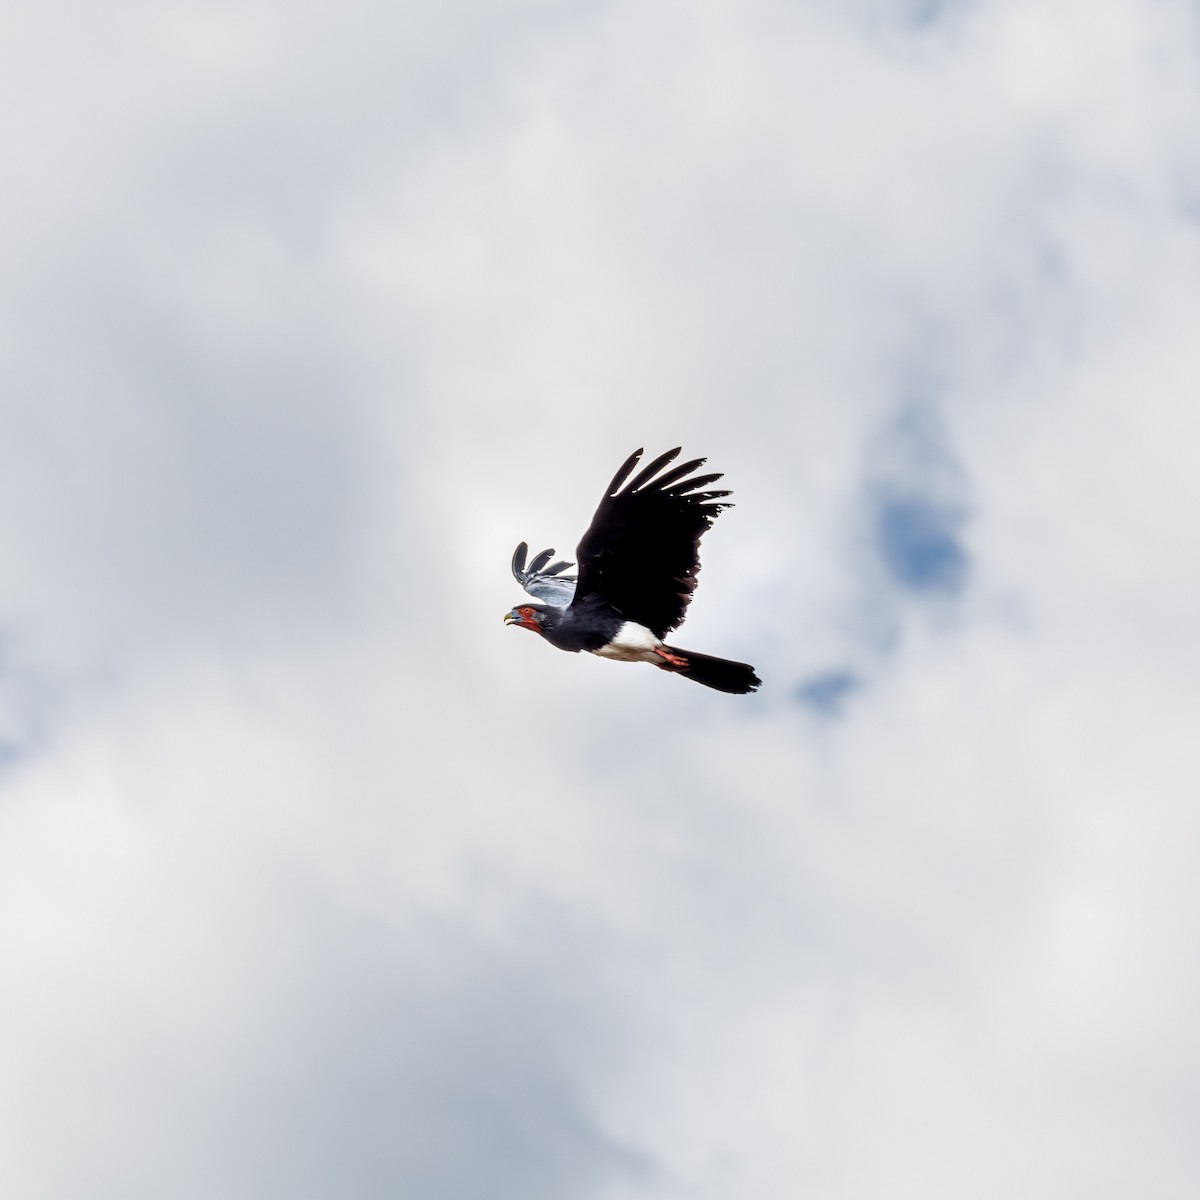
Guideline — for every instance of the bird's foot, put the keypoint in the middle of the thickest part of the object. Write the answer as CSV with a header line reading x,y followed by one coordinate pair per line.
x,y
674,660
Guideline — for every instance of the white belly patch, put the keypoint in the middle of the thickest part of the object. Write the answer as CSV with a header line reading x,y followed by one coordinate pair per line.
x,y
633,643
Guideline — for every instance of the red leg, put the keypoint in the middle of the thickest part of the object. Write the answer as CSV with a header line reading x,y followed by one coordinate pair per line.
x,y
675,660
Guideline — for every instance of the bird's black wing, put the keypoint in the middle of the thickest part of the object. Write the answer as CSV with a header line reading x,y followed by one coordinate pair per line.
x,y
642,549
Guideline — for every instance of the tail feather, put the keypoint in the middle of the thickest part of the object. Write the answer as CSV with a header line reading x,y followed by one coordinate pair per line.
x,y
720,673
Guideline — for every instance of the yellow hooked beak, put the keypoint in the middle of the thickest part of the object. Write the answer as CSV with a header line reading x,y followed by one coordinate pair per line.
x,y
510,618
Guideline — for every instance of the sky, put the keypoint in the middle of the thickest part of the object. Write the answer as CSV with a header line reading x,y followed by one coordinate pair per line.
x,y
318,882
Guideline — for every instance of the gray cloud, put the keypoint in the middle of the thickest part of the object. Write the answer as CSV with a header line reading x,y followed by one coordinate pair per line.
x,y
386,1062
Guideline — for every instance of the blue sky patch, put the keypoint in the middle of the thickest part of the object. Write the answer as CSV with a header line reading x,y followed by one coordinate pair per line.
x,y
916,505
919,542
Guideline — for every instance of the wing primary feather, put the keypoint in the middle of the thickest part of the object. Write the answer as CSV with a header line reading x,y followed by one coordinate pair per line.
x,y
664,481
644,476
539,562
690,485
623,474
518,561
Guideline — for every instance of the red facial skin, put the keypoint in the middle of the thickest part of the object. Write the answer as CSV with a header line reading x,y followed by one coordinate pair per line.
x,y
528,618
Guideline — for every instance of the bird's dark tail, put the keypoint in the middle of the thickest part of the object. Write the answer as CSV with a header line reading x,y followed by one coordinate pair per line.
x,y
720,673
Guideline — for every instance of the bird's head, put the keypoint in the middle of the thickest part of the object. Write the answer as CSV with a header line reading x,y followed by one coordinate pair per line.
x,y
530,616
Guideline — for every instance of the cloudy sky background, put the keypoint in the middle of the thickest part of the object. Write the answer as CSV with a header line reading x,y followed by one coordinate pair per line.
x,y
317,882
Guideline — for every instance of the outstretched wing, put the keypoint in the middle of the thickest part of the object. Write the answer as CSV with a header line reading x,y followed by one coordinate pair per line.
x,y
544,582
642,549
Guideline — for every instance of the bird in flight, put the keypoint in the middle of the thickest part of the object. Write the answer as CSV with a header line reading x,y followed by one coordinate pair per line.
x,y
637,570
